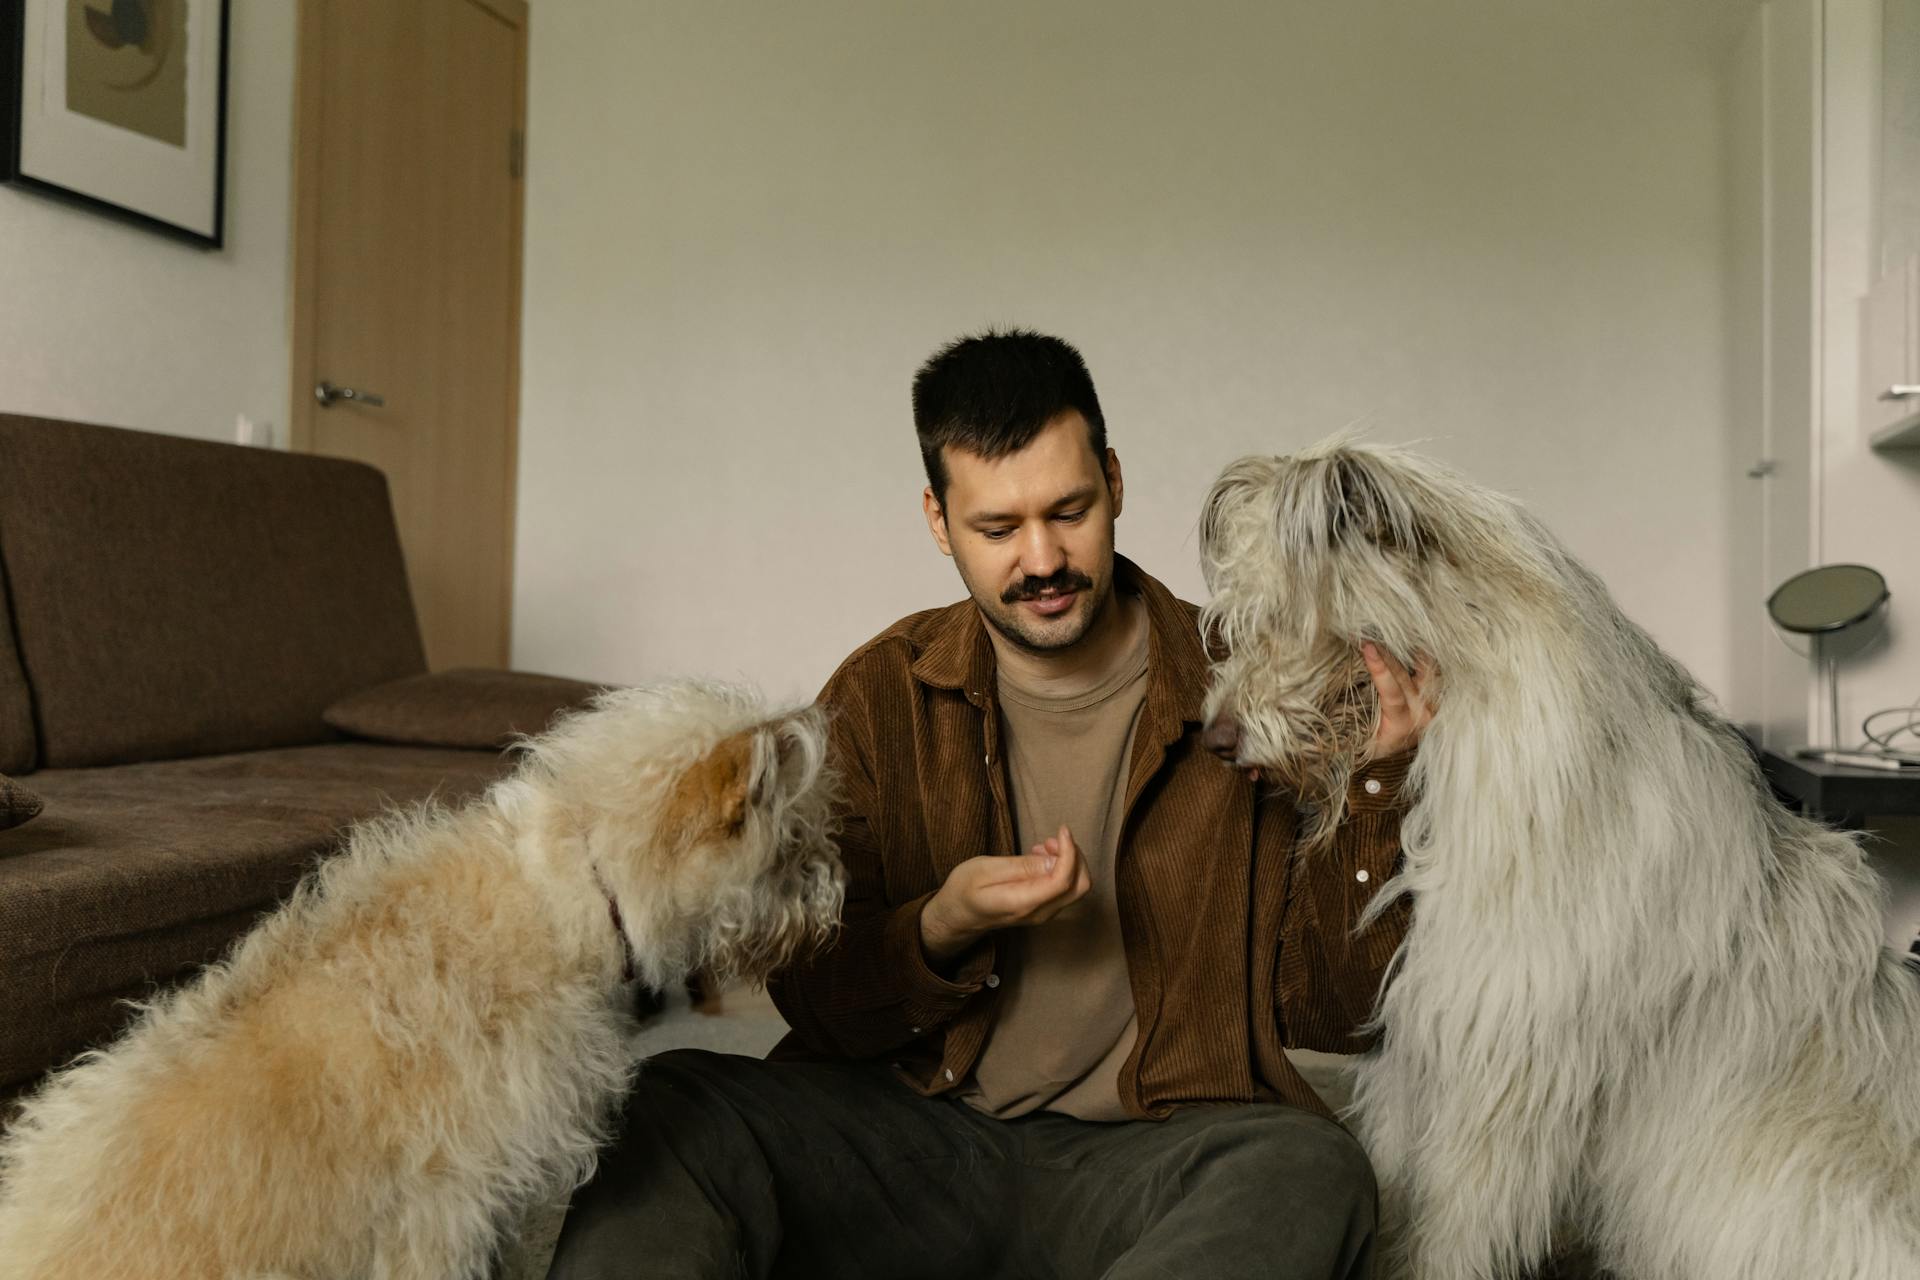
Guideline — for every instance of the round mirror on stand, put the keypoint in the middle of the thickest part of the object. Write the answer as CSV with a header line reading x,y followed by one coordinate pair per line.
x,y
1827,603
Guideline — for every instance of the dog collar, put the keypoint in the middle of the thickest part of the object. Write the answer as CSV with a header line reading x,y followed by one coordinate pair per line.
x,y
626,948
619,930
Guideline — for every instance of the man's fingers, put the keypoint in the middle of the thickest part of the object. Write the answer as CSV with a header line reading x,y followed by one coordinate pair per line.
x,y
1398,671
1387,676
1051,864
1413,686
1422,672
1404,712
1053,906
1067,877
1069,852
1050,851
1400,690
1031,888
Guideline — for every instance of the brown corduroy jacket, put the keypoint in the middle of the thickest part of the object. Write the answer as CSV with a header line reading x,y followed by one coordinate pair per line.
x,y
1237,943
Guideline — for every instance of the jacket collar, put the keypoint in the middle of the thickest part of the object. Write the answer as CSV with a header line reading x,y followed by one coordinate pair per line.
x,y
957,654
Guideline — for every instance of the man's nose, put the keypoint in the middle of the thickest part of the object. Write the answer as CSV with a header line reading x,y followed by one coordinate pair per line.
x,y
1222,737
1041,555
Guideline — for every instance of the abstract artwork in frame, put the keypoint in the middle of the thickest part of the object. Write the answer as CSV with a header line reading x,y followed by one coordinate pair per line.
x,y
120,105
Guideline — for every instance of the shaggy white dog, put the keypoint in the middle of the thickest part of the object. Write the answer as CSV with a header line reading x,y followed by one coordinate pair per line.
x,y
1639,1002
430,1034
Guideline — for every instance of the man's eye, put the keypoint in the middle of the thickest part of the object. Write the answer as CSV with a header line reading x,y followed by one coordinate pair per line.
x,y
1072,517
994,535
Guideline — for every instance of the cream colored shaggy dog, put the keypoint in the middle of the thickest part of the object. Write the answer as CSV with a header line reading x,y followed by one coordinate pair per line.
x,y
430,1034
1639,1003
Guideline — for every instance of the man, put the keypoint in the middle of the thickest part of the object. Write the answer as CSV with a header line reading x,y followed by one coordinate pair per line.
x,y
1066,1062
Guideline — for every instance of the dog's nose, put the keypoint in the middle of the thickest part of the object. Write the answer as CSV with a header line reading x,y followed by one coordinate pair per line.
x,y
1222,737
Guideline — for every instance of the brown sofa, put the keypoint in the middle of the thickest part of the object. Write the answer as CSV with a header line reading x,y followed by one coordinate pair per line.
x,y
175,617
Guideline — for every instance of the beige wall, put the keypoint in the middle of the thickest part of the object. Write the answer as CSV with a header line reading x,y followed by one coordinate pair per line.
x,y
1811,242
1808,234
1494,227
105,322
1755,655
1774,85
1868,503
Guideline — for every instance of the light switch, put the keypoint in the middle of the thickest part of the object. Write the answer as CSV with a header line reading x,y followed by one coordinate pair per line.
x,y
247,431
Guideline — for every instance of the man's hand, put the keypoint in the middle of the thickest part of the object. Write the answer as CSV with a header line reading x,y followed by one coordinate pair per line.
x,y
987,893
1404,708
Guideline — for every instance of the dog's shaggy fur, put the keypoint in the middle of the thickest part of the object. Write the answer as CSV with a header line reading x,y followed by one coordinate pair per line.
x,y
429,1034
1639,1001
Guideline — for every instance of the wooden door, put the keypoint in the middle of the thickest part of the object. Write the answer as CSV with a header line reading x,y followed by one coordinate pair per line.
x,y
407,203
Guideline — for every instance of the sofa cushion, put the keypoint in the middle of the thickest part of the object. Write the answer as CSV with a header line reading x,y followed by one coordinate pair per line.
x,y
460,708
17,804
176,597
134,875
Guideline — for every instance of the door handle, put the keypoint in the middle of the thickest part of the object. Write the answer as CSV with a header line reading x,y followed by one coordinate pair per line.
x,y
326,393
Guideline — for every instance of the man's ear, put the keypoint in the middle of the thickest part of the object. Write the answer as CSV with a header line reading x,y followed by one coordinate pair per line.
x,y
936,520
1116,486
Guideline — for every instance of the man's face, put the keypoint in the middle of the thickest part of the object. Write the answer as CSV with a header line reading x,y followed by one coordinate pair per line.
x,y
1032,533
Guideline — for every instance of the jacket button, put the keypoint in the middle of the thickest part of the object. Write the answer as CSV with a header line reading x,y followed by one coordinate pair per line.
x,y
948,1073
993,979
1373,786
915,1030
1361,875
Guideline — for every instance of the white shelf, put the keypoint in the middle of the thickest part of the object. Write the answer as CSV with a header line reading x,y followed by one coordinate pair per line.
x,y
1890,357
1900,435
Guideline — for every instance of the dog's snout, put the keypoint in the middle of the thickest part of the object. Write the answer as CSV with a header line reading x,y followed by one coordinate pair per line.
x,y
1222,737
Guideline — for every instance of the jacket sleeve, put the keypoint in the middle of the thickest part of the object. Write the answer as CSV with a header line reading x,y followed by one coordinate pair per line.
x,y
869,989
1331,970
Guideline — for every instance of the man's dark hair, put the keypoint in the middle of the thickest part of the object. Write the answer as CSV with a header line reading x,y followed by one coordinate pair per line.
x,y
991,394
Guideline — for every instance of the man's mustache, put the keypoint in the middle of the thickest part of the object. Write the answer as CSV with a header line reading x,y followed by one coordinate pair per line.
x,y
1053,584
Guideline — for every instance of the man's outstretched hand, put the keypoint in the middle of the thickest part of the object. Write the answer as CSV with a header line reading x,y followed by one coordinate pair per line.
x,y
1405,709
988,893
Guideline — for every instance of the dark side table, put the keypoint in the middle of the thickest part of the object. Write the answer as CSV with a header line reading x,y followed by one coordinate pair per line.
x,y
1839,794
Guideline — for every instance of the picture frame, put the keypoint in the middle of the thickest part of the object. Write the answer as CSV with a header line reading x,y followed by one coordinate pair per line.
x,y
119,106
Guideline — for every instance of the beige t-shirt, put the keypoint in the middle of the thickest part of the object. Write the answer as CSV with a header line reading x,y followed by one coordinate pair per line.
x,y
1065,1021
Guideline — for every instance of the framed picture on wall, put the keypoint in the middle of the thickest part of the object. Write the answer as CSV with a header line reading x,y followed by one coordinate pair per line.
x,y
120,105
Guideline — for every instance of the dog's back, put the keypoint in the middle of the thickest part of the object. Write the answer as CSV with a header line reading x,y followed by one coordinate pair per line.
x,y
353,1079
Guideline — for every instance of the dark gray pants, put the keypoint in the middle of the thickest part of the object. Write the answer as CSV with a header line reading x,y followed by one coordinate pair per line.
x,y
733,1167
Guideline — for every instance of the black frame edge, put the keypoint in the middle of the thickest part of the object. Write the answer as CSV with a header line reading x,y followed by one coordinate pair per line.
x,y
13,85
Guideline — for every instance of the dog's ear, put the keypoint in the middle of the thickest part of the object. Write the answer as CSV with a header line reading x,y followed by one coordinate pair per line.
x,y
710,799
